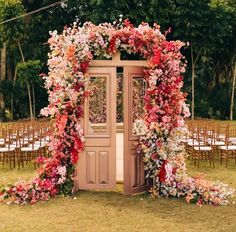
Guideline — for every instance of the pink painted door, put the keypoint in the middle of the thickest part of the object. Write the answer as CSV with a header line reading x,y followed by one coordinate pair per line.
x,y
134,90
97,163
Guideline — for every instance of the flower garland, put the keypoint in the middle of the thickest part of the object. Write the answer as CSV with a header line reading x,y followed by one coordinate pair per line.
x,y
164,162
71,53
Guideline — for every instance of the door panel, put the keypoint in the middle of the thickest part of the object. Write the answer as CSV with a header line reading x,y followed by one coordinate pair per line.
x,y
134,90
97,163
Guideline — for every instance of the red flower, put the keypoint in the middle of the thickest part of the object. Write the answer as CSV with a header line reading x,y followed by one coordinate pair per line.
x,y
174,171
162,173
74,155
84,66
78,86
79,145
127,23
155,60
68,107
80,111
112,46
40,159
86,94
154,156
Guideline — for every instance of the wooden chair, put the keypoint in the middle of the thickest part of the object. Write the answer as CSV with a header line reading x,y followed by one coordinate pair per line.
x,y
192,141
204,150
222,129
22,142
218,140
7,153
29,152
228,151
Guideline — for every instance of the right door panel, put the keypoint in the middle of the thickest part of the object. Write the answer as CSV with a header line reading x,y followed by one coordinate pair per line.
x,y
134,90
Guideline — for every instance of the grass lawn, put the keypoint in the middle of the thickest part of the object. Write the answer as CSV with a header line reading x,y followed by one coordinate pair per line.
x,y
111,211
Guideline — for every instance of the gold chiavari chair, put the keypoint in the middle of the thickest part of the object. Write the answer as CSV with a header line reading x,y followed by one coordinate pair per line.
x,y
31,151
7,153
228,151
204,150
21,142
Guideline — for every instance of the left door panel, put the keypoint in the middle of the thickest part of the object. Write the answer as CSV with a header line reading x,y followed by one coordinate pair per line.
x,y
97,163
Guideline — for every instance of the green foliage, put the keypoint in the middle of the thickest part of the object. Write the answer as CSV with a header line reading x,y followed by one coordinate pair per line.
x,y
209,25
66,188
12,31
28,71
6,87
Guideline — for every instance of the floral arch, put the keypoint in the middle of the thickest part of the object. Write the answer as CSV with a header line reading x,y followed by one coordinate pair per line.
x,y
70,56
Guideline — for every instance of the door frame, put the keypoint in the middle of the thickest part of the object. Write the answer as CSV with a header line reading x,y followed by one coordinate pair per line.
x,y
114,63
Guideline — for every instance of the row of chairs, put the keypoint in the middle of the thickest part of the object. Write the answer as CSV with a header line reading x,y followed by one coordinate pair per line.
x,y
206,140
21,144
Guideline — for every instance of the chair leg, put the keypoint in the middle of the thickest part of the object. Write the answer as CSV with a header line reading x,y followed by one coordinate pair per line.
x,y
18,161
14,159
213,161
209,158
24,159
4,159
9,160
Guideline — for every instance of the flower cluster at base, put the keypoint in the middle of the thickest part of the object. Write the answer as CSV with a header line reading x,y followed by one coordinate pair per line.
x,y
164,162
51,179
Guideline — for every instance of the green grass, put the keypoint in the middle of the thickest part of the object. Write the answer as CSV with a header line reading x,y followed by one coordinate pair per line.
x,y
112,211
13,175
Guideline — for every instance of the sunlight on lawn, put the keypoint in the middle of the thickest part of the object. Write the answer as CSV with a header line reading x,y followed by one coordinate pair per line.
x,y
112,211
14,175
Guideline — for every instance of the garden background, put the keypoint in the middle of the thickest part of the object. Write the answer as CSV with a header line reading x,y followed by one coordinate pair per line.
x,y
208,26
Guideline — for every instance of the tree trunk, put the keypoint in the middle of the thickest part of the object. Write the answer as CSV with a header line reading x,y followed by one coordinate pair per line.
x,y
12,94
30,102
12,107
21,52
3,77
193,84
232,94
28,85
193,63
3,61
33,95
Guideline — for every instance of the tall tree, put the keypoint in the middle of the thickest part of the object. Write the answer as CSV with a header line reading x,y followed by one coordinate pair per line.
x,y
202,25
3,77
206,24
11,32
27,73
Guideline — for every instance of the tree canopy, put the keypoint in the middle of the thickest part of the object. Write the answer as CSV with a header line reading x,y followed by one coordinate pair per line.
x,y
208,25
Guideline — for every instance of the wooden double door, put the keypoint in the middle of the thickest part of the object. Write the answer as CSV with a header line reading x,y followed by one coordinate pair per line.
x,y
97,163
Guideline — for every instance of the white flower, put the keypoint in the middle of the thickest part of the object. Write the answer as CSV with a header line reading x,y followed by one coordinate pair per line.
x,y
139,127
61,170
